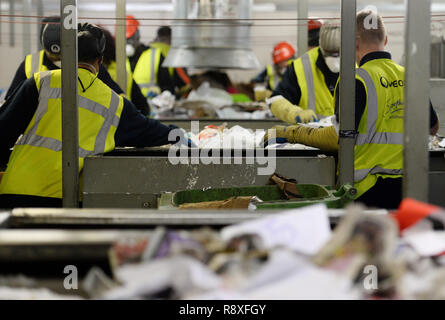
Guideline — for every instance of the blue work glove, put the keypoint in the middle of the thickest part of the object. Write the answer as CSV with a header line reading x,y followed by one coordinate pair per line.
x,y
151,94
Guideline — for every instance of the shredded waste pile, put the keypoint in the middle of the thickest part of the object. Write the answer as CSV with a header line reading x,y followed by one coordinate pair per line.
x,y
289,255
207,102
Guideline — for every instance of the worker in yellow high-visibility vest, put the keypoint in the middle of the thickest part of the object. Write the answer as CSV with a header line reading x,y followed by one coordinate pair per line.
x,y
49,58
146,63
282,55
133,92
30,120
180,77
379,113
306,91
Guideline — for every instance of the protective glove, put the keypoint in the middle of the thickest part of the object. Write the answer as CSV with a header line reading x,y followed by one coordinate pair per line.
x,y
151,94
184,139
261,93
325,139
290,113
275,135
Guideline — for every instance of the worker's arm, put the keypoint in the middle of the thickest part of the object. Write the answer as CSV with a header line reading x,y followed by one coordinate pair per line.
x,y
289,87
136,130
326,139
260,78
16,113
285,111
106,78
165,82
139,100
19,77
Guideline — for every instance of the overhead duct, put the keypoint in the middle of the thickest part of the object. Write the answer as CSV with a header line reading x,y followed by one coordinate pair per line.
x,y
212,34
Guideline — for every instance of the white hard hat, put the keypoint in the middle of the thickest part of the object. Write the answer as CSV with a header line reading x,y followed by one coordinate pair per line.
x,y
330,38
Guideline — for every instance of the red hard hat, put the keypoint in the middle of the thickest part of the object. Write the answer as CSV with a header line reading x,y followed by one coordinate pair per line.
x,y
314,24
282,51
132,26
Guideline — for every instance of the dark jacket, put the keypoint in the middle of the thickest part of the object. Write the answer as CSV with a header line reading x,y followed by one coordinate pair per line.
x,y
139,100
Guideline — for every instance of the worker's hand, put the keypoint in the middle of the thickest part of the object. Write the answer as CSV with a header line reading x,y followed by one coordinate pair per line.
x,y
290,113
261,93
151,94
325,139
184,139
306,116
277,134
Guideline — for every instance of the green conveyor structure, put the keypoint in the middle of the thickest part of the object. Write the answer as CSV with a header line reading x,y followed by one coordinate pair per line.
x,y
272,197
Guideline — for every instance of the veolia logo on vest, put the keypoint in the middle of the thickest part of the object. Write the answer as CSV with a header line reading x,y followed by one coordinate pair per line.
x,y
391,84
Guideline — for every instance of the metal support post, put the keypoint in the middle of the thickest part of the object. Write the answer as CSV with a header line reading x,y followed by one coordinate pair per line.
x,y
303,12
121,56
70,119
417,92
347,92
40,12
11,24
26,28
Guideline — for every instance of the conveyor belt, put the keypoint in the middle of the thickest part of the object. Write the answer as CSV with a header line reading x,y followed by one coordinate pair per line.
x,y
139,219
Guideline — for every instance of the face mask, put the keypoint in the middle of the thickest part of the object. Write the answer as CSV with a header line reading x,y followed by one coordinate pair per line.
x,y
333,64
58,64
130,50
282,71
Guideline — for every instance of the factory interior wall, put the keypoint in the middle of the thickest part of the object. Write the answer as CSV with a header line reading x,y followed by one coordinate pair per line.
x,y
263,39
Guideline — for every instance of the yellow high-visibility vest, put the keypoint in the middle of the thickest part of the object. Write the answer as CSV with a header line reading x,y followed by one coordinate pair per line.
x,y
165,48
34,63
112,70
272,78
378,150
35,164
146,71
315,95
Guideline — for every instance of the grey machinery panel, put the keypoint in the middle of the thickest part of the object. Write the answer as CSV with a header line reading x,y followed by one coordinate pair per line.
x,y
129,179
436,193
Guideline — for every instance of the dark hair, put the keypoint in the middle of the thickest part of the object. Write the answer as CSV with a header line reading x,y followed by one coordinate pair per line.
x,y
110,47
45,21
51,39
314,38
91,42
164,32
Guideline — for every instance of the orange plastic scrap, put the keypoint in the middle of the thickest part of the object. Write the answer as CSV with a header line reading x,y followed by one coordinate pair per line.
x,y
411,212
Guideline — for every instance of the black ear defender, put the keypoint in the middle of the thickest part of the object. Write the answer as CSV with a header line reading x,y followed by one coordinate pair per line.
x,y
98,35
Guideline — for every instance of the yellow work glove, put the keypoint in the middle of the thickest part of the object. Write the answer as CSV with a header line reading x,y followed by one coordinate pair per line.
x,y
290,113
261,93
325,139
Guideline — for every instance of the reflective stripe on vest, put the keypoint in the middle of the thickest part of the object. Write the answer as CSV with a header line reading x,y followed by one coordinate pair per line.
x,y
34,63
315,94
372,136
309,81
32,139
272,77
140,72
35,164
